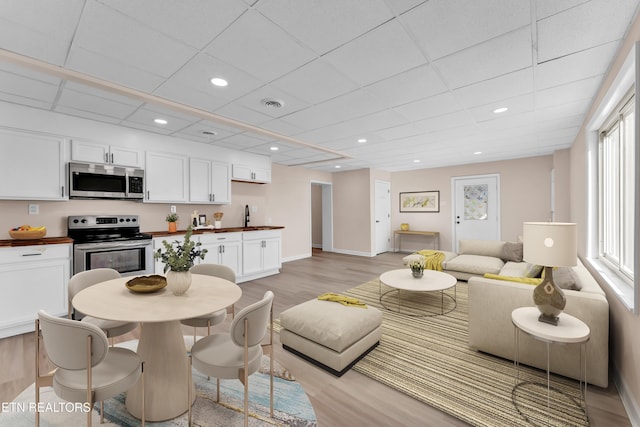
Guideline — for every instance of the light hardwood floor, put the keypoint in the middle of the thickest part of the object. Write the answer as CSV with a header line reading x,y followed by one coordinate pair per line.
x,y
350,400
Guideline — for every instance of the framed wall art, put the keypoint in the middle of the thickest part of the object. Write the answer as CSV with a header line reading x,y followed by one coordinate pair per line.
x,y
420,201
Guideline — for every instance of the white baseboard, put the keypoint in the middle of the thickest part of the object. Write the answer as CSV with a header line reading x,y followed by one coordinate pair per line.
x,y
628,401
348,252
296,257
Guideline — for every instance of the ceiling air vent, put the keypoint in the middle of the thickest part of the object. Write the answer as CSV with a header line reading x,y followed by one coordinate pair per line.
x,y
272,103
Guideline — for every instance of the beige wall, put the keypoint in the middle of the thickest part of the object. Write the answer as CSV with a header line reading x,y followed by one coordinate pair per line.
x,y
525,195
352,212
624,326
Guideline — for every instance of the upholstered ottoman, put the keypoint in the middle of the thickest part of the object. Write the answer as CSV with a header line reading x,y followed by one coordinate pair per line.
x,y
329,334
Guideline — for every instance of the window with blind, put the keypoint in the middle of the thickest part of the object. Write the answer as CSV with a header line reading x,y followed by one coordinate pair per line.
x,y
616,190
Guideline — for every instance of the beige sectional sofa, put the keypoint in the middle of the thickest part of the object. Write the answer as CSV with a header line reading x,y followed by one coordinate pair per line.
x,y
491,302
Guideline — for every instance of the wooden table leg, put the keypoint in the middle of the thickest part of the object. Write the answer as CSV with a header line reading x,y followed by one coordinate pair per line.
x,y
163,350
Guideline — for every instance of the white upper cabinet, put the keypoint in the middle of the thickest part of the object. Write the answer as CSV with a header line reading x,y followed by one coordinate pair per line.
x,y
93,152
251,173
209,182
32,166
166,178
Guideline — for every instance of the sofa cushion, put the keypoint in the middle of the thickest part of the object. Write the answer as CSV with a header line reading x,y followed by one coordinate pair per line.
x,y
474,264
512,251
565,279
515,269
517,279
489,248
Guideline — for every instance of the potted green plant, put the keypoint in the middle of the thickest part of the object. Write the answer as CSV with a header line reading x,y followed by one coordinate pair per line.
x,y
172,218
178,258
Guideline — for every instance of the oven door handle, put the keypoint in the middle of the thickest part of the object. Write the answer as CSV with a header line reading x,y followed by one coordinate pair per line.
x,y
115,245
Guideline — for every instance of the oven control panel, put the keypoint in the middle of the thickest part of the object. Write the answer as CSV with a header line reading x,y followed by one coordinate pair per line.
x,y
103,221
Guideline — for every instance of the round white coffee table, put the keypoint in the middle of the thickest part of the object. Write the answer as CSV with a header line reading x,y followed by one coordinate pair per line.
x,y
431,281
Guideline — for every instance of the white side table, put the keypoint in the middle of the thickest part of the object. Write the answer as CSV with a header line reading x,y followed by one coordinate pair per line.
x,y
570,330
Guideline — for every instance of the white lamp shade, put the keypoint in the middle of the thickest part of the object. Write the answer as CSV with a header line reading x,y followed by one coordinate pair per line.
x,y
551,244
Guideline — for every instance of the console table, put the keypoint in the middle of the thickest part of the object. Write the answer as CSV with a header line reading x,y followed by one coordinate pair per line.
x,y
434,235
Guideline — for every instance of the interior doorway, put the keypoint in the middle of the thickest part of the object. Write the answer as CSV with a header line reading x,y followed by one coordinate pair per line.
x,y
321,216
382,217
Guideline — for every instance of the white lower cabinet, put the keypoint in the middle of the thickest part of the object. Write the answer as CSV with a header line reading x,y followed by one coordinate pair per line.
x,y
261,253
223,248
32,278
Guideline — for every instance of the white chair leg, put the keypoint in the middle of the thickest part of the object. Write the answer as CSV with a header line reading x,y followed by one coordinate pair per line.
x,y
142,394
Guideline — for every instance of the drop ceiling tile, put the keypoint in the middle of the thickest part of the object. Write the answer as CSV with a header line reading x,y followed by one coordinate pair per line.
x,y
441,32
325,25
582,27
257,101
194,23
583,90
378,54
376,121
430,107
396,132
92,102
242,114
28,86
191,84
41,30
517,105
407,86
260,47
108,33
446,121
546,8
577,66
91,115
507,86
146,115
99,66
315,82
496,57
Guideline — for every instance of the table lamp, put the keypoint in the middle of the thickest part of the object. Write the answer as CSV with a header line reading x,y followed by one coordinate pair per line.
x,y
550,244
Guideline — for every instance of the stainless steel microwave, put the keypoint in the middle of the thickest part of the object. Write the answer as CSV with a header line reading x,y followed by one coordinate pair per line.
x,y
98,181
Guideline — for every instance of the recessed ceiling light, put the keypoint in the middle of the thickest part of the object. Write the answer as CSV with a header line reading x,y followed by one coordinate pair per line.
x,y
477,152
362,140
500,110
160,121
274,148
338,166
218,81
416,161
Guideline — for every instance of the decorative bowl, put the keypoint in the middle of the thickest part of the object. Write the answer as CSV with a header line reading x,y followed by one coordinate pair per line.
x,y
146,284
37,233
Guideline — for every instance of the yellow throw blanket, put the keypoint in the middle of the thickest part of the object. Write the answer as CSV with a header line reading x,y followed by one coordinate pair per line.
x,y
433,259
342,299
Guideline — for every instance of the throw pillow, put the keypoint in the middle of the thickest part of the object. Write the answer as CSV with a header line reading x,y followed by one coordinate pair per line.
x,y
563,277
512,251
533,270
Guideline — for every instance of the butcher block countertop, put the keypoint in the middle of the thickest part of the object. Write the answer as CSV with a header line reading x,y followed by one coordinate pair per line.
x,y
10,243
216,230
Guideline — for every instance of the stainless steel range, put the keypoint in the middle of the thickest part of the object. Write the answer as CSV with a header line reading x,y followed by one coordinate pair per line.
x,y
110,241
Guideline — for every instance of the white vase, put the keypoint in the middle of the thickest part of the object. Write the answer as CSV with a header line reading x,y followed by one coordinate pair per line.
x,y
178,281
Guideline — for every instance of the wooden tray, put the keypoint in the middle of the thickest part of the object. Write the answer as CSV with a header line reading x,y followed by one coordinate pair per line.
x,y
146,284
27,235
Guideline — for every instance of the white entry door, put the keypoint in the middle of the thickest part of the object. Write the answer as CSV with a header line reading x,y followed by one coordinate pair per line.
x,y
477,208
383,217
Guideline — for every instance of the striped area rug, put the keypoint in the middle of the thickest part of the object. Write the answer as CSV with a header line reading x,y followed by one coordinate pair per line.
x,y
428,358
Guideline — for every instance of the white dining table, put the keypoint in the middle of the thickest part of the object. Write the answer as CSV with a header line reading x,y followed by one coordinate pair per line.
x,y
161,345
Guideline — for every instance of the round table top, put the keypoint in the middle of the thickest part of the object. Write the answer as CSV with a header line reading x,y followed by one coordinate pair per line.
x,y
112,300
569,329
431,280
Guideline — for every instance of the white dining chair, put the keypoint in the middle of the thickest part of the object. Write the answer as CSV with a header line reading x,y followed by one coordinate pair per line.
x,y
84,279
87,368
238,353
217,317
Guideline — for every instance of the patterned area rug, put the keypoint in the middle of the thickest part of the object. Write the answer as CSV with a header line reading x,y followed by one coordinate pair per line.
x,y
428,358
291,405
